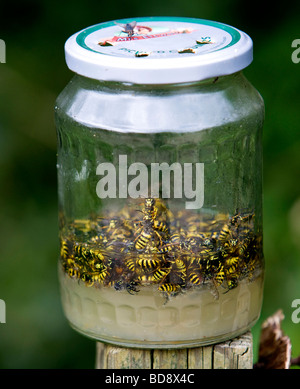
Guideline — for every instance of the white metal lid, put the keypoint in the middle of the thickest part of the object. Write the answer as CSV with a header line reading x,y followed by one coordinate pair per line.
x,y
158,50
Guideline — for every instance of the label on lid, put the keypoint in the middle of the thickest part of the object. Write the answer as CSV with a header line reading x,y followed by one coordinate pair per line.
x,y
158,50
157,39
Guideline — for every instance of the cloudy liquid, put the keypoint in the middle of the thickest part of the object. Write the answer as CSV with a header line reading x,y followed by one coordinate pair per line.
x,y
148,319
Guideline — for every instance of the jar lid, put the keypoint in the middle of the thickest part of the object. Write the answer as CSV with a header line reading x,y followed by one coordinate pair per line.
x,y
158,50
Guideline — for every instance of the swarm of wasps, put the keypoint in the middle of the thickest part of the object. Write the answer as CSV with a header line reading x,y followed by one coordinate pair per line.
x,y
173,251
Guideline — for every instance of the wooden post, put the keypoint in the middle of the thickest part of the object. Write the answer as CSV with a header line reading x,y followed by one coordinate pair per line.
x,y
236,353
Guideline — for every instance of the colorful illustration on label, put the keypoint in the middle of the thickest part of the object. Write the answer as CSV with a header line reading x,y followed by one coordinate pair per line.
x,y
133,31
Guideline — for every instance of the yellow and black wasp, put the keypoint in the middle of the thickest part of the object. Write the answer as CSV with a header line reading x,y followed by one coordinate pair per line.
x,y
64,249
195,278
150,227
90,278
81,250
231,265
225,233
131,287
73,272
219,276
143,239
169,289
160,274
150,218
245,217
131,264
149,261
178,271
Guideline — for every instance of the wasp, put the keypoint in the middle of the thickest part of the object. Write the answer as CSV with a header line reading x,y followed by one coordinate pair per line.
x,y
117,269
160,226
231,265
192,243
169,288
102,275
195,278
210,258
241,218
123,231
208,243
149,225
131,264
219,276
148,262
98,239
165,249
70,262
204,256
143,239
64,249
112,226
251,266
191,230
83,225
214,235
232,283
97,255
150,211
176,239
212,265
93,266
145,279
225,233
160,274
88,279
131,287
229,248
176,243
179,271
73,272
180,267
163,209
123,246
245,247
193,261
81,251
94,277
232,276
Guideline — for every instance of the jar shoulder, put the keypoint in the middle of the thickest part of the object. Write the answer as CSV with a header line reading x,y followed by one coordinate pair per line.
x,y
175,108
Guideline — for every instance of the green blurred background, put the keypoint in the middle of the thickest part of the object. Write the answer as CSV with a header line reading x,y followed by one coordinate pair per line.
x,y
36,334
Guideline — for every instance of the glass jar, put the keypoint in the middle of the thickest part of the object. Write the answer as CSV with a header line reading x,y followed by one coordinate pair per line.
x,y
160,184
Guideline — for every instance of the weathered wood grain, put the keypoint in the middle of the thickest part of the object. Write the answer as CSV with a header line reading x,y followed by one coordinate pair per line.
x,y
233,354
